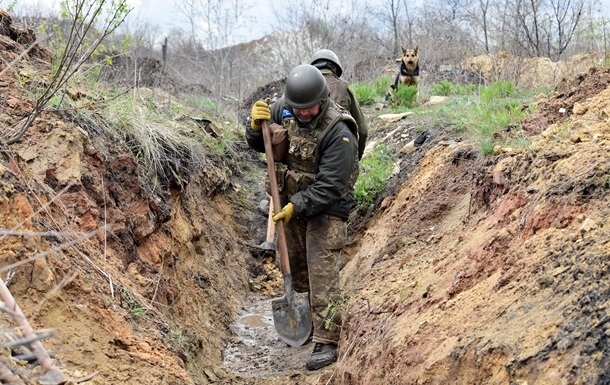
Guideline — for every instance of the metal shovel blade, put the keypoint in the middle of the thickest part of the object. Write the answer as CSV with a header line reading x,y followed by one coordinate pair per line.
x,y
291,316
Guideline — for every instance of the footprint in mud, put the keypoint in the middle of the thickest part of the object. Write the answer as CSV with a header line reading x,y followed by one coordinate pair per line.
x,y
257,351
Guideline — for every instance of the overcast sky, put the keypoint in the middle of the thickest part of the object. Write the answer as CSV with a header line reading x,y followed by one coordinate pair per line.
x,y
260,16
163,13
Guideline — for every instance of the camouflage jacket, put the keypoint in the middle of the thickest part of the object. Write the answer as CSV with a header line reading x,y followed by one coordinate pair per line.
x,y
344,96
331,190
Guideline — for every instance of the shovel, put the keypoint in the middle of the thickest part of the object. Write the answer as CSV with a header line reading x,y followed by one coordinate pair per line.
x,y
268,247
291,316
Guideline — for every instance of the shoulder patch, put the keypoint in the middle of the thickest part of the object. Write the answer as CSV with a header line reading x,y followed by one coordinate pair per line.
x,y
346,138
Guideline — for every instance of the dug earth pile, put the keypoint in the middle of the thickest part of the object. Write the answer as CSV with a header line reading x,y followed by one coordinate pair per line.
x,y
469,269
139,284
491,270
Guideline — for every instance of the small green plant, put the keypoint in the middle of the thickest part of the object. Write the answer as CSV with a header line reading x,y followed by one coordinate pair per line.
x,y
138,312
375,168
130,302
404,96
382,85
365,94
499,90
446,88
443,88
176,336
334,311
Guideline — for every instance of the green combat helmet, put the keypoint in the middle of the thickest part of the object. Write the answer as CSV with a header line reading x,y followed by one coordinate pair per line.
x,y
305,87
326,58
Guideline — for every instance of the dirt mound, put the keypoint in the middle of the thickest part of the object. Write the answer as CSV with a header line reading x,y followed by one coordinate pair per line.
x,y
530,72
271,90
15,39
139,285
489,270
569,94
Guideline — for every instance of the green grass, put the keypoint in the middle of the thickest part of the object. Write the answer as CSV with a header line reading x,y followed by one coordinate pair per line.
x,y
486,115
499,90
404,96
375,168
197,103
158,130
481,114
381,86
368,94
365,94
446,88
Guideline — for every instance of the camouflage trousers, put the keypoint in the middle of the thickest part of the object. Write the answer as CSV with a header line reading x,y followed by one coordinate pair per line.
x,y
314,249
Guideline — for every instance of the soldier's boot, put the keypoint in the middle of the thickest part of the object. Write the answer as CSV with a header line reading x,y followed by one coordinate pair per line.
x,y
322,355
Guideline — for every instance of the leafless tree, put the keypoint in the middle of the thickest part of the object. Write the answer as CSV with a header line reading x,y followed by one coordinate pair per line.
x,y
366,36
566,17
83,17
444,34
593,31
544,28
202,52
189,13
390,16
303,30
393,14
479,16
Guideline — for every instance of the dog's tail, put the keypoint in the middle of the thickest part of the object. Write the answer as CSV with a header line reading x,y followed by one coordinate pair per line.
x,y
389,94
392,87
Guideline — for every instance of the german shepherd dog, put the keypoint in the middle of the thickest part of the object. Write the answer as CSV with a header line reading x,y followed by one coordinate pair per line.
x,y
409,69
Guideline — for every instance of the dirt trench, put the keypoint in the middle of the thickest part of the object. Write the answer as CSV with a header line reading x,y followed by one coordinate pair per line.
x,y
464,270
485,270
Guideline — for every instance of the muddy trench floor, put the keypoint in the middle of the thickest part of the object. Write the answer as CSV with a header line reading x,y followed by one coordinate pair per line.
x,y
256,349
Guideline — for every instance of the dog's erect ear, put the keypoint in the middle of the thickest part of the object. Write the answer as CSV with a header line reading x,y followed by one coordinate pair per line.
x,y
415,49
404,49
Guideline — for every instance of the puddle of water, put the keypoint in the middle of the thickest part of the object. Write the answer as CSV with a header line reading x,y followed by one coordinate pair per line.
x,y
254,321
257,351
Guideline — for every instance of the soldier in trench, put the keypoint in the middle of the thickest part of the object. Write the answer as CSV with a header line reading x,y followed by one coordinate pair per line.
x,y
328,63
316,180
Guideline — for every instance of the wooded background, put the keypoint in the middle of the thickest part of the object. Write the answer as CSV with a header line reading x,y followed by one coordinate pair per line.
x,y
197,55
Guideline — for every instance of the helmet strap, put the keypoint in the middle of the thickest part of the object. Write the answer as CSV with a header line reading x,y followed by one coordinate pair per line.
x,y
323,64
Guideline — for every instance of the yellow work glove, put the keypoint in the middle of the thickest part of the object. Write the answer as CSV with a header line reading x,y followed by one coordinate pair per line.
x,y
260,112
286,213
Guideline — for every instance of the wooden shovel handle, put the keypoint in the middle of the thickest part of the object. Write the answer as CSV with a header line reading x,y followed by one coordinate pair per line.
x,y
270,224
275,200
